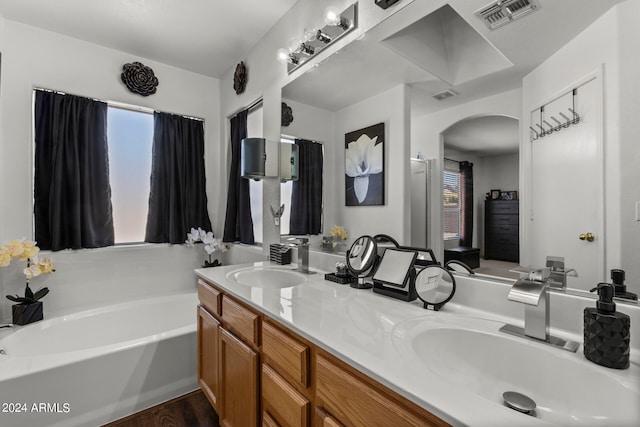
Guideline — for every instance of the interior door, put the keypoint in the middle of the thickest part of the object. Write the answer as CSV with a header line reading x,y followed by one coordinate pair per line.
x,y
567,184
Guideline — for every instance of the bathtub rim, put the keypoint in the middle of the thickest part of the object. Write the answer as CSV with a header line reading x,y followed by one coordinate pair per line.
x,y
15,366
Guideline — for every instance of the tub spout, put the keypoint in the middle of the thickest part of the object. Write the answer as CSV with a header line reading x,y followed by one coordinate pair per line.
x,y
6,325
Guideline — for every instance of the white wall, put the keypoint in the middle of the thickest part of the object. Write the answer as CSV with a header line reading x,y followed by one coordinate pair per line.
x,y
393,218
612,41
426,136
36,58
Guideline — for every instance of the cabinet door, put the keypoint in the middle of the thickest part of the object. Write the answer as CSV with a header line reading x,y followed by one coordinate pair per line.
x,y
209,356
238,382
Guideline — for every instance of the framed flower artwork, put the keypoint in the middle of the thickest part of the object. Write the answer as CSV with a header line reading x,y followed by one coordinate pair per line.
x,y
364,166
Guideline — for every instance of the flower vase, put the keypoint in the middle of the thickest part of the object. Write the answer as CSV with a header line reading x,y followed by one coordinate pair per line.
x,y
327,243
24,314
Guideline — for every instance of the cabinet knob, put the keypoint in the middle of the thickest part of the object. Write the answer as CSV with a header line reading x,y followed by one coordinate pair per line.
x,y
589,237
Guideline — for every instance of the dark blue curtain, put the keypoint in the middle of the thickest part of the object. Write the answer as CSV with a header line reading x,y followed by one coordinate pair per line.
x,y
306,193
72,195
238,225
466,204
178,198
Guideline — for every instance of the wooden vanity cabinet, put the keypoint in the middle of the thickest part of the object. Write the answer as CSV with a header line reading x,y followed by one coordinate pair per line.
x,y
228,357
255,371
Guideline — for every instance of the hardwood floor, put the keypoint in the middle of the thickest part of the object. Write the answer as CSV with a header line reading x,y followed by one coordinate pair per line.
x,y
190,410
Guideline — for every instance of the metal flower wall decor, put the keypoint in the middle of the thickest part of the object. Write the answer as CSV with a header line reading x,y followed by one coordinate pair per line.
x,y
139,78
240,78
287,115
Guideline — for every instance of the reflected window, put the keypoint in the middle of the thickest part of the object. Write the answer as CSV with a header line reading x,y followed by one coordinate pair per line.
x,y
254,130
451,202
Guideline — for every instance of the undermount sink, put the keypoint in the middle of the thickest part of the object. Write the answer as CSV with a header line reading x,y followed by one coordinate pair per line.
x,y
568,389
267,277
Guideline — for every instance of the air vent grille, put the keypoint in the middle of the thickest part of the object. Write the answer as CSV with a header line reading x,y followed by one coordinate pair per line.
x,y
502,12
444,94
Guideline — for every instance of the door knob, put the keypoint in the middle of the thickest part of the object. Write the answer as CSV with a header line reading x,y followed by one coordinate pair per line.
x,y
589,237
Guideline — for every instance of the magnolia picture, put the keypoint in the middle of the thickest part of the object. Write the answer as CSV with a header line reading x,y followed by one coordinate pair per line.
x,y
364,166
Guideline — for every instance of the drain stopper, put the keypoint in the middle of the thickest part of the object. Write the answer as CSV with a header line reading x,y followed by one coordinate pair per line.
x,y
518,401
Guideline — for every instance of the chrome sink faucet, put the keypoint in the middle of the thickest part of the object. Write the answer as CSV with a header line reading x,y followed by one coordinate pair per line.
x,y
302,244
558,272
533,292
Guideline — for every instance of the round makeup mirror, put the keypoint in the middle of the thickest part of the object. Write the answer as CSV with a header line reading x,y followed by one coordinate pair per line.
x,y
458,266
435,286
361,259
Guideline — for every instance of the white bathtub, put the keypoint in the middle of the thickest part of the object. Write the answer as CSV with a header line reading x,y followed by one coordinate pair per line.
x,y
92,367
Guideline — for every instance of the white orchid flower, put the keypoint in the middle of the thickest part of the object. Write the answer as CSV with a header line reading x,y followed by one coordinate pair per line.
x,y
363,157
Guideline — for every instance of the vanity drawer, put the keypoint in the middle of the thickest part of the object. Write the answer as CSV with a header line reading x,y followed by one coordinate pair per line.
x,y
502,207
503,219
353,399
510,229
210,298
503,240
283,402
242,321
289,356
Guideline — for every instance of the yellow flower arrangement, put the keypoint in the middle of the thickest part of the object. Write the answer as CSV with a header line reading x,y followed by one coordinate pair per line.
x,y
26,250
339,232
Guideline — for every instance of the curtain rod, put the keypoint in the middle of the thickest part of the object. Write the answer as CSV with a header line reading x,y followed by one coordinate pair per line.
x,y
122,105
451,160
255,104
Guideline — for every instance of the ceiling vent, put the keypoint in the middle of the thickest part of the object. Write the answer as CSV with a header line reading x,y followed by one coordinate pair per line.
x,y
448,93
502,12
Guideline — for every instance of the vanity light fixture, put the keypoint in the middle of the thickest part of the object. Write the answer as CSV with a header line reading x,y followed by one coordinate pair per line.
x,y
283,56
338,23
307,49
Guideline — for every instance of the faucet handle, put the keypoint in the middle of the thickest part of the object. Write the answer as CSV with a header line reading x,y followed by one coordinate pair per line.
x,y
298,241
555,263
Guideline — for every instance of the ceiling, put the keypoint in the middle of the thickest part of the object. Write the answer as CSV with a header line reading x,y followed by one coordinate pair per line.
x,y
484,136
434,47
444,47
204,36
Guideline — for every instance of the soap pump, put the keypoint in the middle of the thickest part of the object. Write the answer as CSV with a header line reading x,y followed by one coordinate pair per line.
x,y
606,332
620,289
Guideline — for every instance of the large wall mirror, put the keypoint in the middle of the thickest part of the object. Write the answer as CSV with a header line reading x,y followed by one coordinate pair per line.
x,y
463,85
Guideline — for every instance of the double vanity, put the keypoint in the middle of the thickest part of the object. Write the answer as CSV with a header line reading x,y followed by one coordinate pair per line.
x,y
281,348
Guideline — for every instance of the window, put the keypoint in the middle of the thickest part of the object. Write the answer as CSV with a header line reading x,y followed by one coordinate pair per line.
x,y
130,140
285,196
101,176
451,202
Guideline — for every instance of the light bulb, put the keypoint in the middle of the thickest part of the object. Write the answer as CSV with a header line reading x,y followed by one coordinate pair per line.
x,y
294,45
282,55
332,15
310,34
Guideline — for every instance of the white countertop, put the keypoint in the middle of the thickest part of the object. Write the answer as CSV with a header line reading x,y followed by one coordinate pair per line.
x,y
365,330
